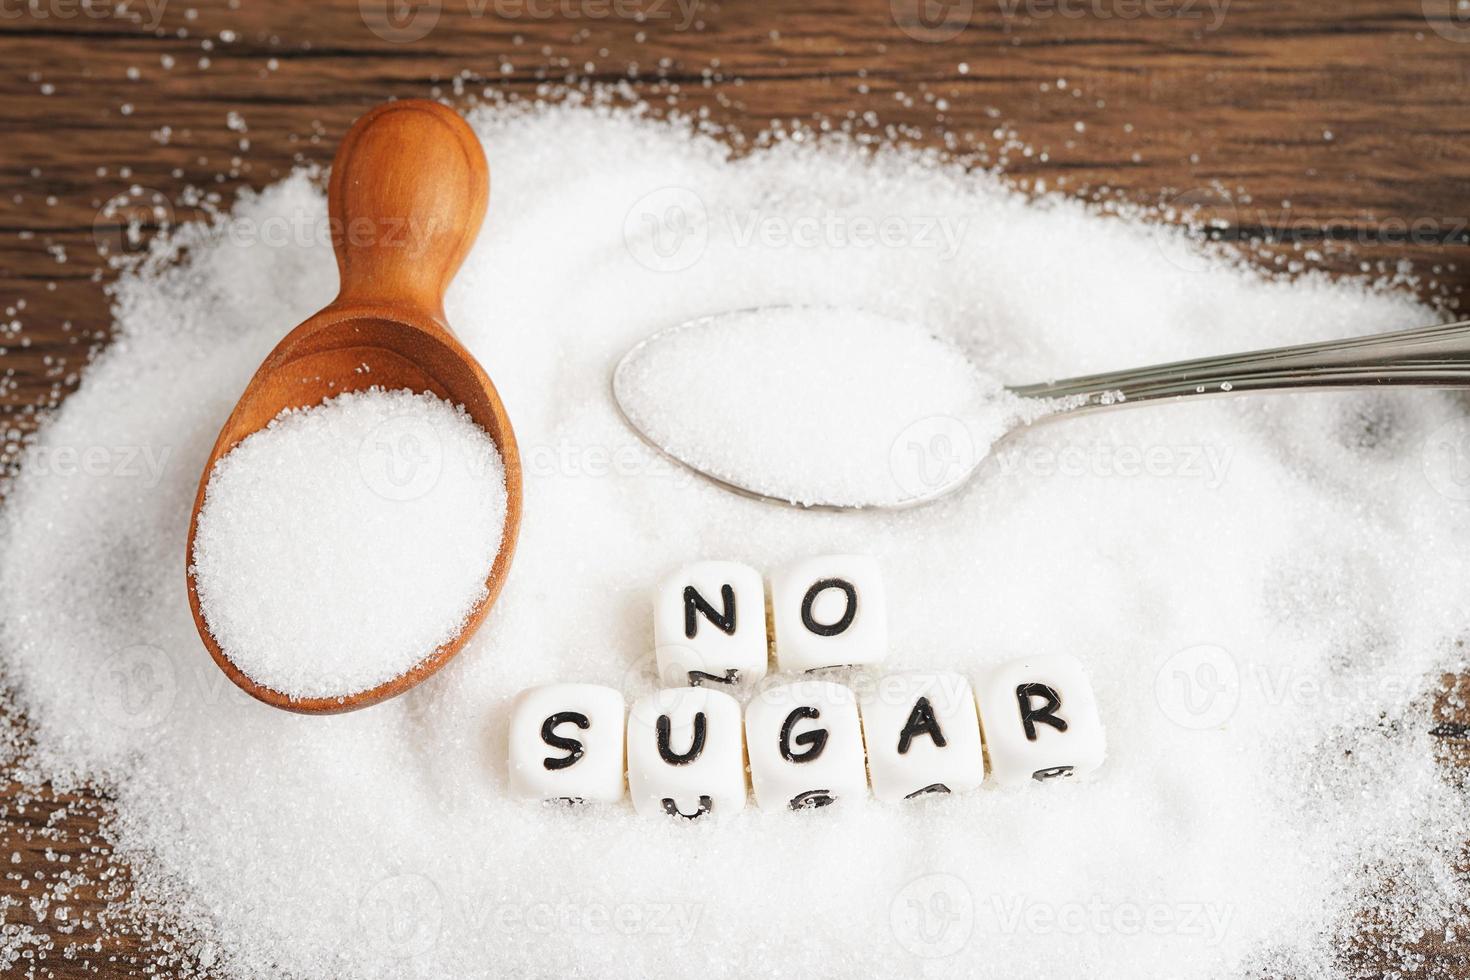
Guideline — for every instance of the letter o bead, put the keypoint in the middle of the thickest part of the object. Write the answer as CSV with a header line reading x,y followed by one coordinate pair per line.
x,y
686,754
805,743
566,744
829,611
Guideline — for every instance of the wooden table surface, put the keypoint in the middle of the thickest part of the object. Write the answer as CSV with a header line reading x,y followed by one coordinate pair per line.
x,y
1331,133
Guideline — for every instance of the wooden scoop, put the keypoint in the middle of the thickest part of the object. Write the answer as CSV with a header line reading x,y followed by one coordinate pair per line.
x,y
406,199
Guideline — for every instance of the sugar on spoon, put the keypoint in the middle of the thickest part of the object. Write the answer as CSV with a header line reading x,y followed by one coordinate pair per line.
x,y
886,477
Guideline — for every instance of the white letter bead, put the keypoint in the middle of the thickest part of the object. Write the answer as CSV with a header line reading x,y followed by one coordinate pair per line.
x,y
829,612
806,746
709,625
686,754
1040,720
923,736
566,743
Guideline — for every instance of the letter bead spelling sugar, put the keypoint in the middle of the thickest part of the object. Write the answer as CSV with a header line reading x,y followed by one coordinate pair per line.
x,y
829,612
566,744
1040,721
709,625
805,743
922,735
686,754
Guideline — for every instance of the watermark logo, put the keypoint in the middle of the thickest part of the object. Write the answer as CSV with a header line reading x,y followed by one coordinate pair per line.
x,y
1206,922
126,222
667,230
932,21
146,464
135,688
1198,687
933,916
1446,459
402,916
932,456
401,459
1211,12
400,21
1209,216
1208,464
1450,19
147,14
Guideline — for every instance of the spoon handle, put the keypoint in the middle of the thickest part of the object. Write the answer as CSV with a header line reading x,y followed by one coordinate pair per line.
x,y
1434,357
407,196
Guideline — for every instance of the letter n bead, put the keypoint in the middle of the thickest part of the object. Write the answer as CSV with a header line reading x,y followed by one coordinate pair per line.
x,y
709,625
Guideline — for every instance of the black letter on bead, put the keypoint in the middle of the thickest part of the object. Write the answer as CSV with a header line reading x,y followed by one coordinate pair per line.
x,y
812,799
570,745
824,629
665,726
931,788
817,740
697,678
1055,772
921,722
672,809
694,603
1046,714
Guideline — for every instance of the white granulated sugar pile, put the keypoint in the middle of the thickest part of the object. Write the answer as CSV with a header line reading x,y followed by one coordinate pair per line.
x,y
814,405
341,545
1264,593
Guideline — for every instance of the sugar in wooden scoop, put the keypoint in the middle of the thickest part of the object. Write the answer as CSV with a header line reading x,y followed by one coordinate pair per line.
x,y
339,546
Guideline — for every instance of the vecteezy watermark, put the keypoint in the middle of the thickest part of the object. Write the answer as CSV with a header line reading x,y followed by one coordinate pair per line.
x,y
123,225
1207,215
1445,458
1450,19
1207,463
404,21
669,229
933,916
147,14
1210,12
135,687
932,21
401,916
936,21
401,459
1202,686
932,456
674,921
145,464
1198,687
1205,921
125,222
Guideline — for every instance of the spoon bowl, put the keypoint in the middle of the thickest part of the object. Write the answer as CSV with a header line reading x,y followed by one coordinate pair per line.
x,y
407,196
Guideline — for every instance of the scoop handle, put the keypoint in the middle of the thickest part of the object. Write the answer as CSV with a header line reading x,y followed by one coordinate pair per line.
x,y
406,199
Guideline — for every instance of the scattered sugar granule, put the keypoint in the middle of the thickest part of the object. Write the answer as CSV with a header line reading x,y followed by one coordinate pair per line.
x,y
340,545
1264,591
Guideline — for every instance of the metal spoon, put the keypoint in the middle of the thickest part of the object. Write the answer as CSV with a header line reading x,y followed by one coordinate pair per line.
x,y
1432,357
